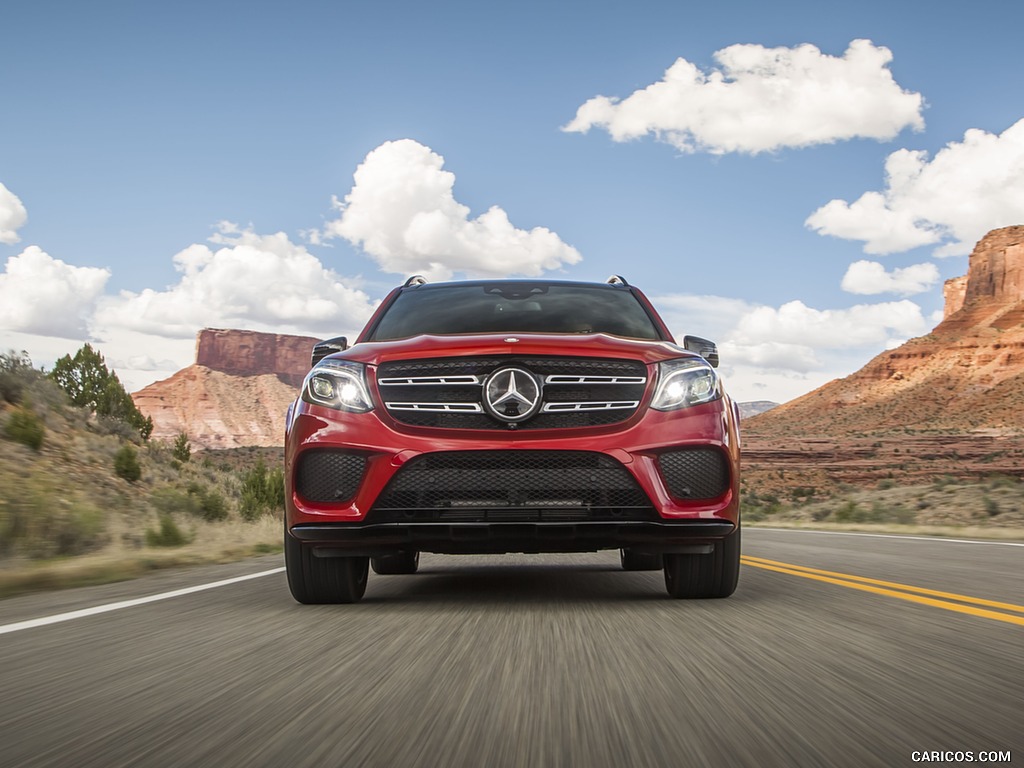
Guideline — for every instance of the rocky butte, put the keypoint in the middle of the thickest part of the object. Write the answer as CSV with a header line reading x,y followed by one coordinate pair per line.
x,y
966,376
237,392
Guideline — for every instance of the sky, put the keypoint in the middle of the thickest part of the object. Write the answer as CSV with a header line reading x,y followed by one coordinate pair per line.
x,y
793,180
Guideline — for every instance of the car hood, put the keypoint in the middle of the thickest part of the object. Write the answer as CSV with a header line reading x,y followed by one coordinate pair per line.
x,y
569,345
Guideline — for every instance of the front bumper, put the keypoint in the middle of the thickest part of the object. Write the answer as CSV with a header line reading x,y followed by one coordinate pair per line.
x,y
358,525
373,540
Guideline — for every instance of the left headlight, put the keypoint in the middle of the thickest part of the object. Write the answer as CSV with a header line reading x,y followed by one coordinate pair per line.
x,y
685,382
338,384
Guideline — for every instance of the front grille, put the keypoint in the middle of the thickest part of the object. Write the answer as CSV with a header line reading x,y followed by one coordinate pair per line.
x,y
695,473
448,392
511,486
328,476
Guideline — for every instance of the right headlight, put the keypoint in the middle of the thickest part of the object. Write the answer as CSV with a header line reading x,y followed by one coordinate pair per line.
x,y
337,384
685,382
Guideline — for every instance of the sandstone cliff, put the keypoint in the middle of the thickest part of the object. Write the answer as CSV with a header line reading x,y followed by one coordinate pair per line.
x,y
968,374
235,395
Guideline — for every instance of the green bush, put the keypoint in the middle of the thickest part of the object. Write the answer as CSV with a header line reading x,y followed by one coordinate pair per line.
x,y
849,512
16,372
126,464
169,535
213,506
182,450
262,491
25,427
991,506
196,501
37,523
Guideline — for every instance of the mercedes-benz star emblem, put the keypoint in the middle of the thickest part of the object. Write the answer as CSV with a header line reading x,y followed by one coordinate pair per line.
x,y
512,394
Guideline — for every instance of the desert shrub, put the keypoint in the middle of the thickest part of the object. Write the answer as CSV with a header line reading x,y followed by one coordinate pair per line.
x,y
754,514
182,449
1000,481
262,491
991,506
848,512
16,372
25,427
126,464
169,534
213,506
885,485
196,500
172,501
35,523
208,503
902,515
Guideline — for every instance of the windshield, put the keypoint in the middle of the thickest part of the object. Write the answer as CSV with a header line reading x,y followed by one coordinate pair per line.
x,y
515,307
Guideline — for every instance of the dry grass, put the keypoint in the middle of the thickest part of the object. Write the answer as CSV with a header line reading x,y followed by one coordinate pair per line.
x,y
211,543
67,519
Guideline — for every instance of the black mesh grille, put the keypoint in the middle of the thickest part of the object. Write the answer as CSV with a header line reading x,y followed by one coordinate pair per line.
x,y
329,476
482,366
695,473
512,486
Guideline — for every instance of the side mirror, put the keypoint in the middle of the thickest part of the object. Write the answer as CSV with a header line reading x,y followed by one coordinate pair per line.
x,y
324,348
702,347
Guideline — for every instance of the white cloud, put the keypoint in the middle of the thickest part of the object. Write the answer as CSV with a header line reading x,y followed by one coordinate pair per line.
x,y
857,326
781,353
870,277
967,189
403,213
763,99
45,296
257,282
12,216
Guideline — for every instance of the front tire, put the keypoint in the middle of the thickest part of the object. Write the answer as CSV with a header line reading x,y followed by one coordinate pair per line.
x,y
705,576
315,580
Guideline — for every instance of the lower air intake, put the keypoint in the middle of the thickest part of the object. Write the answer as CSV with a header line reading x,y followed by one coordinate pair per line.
x,y
326,476
513,485
695,473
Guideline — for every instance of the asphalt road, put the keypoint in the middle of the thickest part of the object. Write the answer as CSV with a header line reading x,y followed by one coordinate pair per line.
x,y
533,661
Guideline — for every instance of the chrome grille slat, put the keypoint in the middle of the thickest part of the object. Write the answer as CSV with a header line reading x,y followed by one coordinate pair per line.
x,y
589,406
436,407
565,379
429,380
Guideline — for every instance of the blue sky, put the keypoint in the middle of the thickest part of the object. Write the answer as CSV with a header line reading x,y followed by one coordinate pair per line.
x,y
168,167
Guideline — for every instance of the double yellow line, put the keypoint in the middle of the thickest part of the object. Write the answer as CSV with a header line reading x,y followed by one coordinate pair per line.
x,y
946,600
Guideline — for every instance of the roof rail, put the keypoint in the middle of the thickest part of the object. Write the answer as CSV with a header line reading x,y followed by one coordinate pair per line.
x,y
415,280
617,280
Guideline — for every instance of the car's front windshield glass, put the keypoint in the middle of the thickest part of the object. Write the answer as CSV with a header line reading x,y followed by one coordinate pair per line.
x,y
515,307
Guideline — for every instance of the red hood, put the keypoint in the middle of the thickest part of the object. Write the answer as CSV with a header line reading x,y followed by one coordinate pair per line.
x,y
570,345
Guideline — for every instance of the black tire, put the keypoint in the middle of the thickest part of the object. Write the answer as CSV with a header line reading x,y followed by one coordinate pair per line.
x,y
314,580
400,562
640,561
705,576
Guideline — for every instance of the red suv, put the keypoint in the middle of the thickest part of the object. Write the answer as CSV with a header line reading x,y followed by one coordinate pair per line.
x,y
499,416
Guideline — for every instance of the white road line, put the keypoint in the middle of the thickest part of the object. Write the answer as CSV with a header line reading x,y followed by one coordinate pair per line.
x,y
57,618
939,539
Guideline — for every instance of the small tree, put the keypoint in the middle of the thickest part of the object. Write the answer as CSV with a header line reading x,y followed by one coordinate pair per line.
x,y
182,450
87,381
126,464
